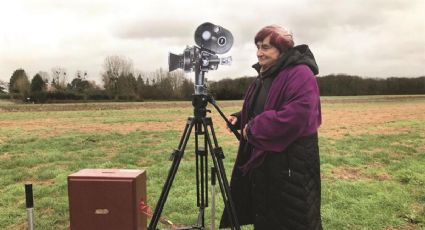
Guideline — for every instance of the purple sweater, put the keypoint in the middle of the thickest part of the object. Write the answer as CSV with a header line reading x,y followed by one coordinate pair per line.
x,y
292,110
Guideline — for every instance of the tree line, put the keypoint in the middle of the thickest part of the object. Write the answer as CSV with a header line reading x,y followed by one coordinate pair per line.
x,y
331,85
120,82
347,85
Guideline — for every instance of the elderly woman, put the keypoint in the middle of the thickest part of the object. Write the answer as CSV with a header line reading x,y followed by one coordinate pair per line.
x,y
276,178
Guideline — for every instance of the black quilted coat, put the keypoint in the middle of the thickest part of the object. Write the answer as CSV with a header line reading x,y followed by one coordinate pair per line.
x,y
295,204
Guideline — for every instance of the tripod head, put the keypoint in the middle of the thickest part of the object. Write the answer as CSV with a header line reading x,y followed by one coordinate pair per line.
x,y
211,40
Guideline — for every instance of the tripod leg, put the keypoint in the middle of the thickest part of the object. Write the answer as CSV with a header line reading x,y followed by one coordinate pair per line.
x,y
176,157
206,169
218,156
201,174
197,161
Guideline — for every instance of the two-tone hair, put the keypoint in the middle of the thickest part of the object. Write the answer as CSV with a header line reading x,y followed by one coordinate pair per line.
x,y
280,37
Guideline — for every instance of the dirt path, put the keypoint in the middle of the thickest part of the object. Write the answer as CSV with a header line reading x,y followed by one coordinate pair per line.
x,y
340,120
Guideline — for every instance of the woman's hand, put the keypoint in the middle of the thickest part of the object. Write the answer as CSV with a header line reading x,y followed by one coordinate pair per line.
x,y
233,120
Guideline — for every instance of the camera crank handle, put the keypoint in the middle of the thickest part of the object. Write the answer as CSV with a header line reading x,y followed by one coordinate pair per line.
x,y
231,127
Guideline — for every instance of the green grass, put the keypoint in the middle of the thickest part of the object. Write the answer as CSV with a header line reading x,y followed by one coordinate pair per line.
x,y
385,190
367,202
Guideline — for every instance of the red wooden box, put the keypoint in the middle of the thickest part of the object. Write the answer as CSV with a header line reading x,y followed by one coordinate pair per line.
x,y
107,199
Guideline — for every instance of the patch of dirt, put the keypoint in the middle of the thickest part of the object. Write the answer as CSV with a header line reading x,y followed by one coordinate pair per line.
x,y
382,177
5,157
388,130
51,127
405,227
351,173
338,122
20,226
58,126
418,207
346,173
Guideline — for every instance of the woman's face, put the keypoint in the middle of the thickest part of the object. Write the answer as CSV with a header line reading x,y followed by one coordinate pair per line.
x,y
266,53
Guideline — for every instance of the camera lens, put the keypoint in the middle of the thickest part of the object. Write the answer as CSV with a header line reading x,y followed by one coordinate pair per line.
x,y
221,41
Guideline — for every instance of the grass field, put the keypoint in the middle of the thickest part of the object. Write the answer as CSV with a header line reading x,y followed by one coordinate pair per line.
x,y
372,157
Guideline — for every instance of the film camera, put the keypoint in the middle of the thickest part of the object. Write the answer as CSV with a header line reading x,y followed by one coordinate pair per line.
x,y
211,40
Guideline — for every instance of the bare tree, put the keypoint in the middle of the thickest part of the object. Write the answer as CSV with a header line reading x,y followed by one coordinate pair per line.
x,y
114,67
81,74
3,86
59,78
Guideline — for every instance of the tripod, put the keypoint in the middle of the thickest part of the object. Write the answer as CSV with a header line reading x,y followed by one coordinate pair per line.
x,y
203,128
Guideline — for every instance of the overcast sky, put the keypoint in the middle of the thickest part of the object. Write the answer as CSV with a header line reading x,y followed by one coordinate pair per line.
x,y
372,38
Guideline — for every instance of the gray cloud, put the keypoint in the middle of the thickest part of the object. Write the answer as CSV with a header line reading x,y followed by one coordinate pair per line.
x,y
154,29
371,38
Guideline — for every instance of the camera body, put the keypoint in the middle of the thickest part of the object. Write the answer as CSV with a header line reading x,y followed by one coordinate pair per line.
x,y
211,40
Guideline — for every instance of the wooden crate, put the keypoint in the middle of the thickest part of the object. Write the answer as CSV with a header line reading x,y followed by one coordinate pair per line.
x,y
107,199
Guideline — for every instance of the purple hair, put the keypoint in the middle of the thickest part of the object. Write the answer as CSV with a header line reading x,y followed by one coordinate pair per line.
x,y
280,37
